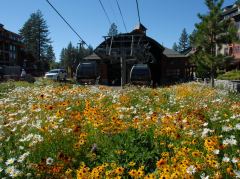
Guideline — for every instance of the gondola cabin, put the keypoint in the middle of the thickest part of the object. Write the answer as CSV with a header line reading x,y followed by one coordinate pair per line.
x,y
87,73
140,74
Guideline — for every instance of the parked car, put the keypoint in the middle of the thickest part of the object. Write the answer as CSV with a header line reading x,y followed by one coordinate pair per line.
x,y
56,74
86,73
140,74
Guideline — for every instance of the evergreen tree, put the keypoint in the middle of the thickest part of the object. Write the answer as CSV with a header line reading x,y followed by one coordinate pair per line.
x,y
210,34
35,37
113,30
71,56
175,47
50,56
183,41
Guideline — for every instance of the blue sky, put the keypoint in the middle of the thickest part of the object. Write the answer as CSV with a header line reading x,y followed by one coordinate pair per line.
x,y
165,19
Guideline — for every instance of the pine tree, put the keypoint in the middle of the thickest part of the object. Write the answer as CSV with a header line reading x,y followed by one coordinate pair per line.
x,y
35,37
210,34
71,56
113,30
183,41
175,47
50,56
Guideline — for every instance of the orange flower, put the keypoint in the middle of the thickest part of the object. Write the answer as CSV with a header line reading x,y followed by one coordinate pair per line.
x,y
161,162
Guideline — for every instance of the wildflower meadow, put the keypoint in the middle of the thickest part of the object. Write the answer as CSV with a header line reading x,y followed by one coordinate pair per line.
x,y
54,130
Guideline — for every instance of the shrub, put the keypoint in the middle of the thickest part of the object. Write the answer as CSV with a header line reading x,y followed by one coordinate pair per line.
x,y
231,75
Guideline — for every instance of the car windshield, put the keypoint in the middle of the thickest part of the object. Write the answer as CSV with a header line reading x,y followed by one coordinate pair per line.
x,y
140,74
86,70
53,71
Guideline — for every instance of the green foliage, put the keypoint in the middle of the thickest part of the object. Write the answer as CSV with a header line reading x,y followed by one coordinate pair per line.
x,y
113,30
71,56
175,47
184,42
210,34
10,85
231,75
50,55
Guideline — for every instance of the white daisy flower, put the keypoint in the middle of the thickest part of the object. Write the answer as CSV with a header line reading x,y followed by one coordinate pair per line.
x,y
10,161
191,169
49,161
234,160
216,151
226,159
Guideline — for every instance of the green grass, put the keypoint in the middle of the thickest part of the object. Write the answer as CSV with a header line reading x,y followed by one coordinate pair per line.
x,y
231,75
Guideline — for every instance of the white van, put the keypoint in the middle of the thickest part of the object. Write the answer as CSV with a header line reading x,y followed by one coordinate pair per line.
x,y
56,74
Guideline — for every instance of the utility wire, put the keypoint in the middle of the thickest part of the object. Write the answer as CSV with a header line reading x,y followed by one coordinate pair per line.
x,y
105,12
114,13
121,15
139,20
82,41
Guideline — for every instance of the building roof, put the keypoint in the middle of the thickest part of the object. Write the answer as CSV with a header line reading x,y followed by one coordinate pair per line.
x,y
93,56
228,9
141,27
5,30
172,53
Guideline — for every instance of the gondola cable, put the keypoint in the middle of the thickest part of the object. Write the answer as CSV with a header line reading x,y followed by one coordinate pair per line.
x,y
105,12
82,41
121,15
139,20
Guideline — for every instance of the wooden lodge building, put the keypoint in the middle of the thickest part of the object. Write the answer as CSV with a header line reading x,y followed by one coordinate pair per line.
x,y
10,47
122,51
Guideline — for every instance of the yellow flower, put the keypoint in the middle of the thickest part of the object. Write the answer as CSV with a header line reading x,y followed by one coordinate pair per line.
x,y
119,170
196,154
165,154
133,173
113,165
68,171
150,176
132,164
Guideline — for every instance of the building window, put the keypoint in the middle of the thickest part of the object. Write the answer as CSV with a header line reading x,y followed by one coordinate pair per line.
x,y
238,25
173,72
14,56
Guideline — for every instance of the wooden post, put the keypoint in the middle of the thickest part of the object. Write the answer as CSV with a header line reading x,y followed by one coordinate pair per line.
x,y
123,71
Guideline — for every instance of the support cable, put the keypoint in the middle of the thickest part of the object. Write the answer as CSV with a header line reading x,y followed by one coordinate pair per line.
x,y
105,12
82,41
139,20
121,15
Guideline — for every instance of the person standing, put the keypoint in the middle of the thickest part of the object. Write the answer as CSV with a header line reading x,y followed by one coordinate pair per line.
x,y
23,73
